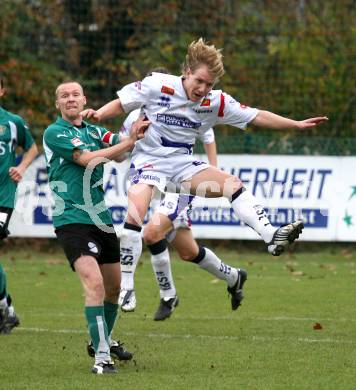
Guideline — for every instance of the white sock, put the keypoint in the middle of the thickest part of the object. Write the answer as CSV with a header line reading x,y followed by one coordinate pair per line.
x,y
130,252
162,268
215,266
11,311
252,214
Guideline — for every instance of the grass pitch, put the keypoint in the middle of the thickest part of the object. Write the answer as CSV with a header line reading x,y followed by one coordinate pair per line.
x,y
296,328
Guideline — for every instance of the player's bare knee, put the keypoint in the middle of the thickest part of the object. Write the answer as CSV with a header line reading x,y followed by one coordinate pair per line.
x,y
151,234
231,185
187,256
94,289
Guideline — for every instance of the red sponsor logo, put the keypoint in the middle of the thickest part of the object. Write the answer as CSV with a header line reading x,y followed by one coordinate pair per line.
x,y
146,166
243,105
205,103
167,90
76,141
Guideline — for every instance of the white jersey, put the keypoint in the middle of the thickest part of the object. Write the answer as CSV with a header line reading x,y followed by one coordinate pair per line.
x,y
175,120
207,137
176,207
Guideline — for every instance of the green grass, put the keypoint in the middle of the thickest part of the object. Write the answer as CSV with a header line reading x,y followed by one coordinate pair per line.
x,y
269,343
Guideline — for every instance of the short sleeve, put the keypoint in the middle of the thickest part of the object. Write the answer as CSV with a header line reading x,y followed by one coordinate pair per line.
x,y
61,143
208,137
231,112
105,136
24,137
136,95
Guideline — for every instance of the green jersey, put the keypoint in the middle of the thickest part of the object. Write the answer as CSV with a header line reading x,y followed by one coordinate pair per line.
x,y
78,191
13,132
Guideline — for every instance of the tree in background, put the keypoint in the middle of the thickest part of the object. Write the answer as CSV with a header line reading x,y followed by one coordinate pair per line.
x,y
291,57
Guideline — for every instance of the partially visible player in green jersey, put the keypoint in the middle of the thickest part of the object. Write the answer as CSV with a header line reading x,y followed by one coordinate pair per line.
x,y
75,153
14,133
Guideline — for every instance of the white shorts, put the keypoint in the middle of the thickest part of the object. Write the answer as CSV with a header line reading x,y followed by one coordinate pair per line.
x,y
177,207
163,172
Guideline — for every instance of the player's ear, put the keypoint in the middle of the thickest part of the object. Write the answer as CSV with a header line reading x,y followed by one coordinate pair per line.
x,y
57,105
188,72
84,100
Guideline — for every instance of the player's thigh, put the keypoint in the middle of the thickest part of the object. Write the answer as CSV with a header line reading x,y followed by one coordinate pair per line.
x,y
79,240
185,244
213,183
139,198
88,271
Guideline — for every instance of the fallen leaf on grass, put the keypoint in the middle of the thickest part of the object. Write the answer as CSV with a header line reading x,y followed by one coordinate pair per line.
x,y
317,326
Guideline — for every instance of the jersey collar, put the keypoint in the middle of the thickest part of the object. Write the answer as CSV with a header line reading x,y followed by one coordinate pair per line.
x,y
61,122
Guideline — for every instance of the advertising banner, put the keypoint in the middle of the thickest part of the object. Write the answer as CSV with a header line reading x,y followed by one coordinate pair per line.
x,y
319,190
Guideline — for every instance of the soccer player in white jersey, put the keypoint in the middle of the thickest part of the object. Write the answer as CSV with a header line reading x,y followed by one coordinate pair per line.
x,y
178,107
175,210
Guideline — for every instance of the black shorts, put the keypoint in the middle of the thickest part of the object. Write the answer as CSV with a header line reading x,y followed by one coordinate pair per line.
x,y
79,239
4,221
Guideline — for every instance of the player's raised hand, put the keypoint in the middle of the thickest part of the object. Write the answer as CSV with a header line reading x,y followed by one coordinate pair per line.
x,y
312,122
139,127
91,114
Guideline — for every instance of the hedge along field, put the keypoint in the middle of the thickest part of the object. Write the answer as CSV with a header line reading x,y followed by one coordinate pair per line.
x,y
296,328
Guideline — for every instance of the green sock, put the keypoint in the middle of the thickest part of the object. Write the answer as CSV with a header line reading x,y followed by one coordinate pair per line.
x,y
3,293
98,329
110,311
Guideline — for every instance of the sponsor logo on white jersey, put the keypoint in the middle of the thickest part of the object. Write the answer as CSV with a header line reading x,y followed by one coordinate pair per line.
x,y
179,121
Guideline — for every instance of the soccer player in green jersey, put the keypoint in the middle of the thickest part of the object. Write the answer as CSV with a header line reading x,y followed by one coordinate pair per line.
x,y
75,153
13,133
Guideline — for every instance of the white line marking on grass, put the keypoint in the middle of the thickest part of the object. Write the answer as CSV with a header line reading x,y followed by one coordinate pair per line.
x,y
202,318
45,330
192,336
278,318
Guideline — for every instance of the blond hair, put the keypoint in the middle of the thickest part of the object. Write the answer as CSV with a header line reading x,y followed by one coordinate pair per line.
x,y
199,53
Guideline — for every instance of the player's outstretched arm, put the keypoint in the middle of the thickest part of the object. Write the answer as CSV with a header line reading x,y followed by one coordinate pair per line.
x,y
274,121
102,156
110,110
